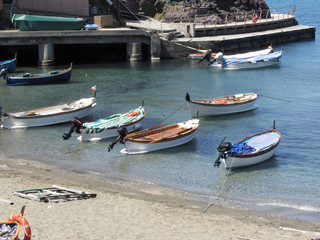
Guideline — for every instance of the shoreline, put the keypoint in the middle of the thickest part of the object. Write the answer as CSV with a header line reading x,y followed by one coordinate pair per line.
x,y
131,210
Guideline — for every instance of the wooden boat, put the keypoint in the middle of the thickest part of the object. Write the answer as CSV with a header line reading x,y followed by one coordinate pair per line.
x,y
9,65
257,59
44,116
9,230
56,76
157,137
107,127
223,105
250,150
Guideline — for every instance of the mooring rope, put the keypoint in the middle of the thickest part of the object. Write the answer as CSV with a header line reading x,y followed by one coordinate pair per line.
x,y
173,112
220,188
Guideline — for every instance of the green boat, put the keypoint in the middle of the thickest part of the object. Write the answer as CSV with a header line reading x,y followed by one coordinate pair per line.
x,y
46,23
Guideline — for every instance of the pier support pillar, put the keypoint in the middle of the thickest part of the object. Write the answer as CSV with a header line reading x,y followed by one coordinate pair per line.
x,y
134,52
155,48
46,54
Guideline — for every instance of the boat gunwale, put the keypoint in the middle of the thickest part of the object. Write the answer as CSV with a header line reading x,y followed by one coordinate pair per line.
x,y
260,152
51,115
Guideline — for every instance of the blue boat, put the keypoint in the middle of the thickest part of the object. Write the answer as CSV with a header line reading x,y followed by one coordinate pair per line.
x,y
9,65
56,76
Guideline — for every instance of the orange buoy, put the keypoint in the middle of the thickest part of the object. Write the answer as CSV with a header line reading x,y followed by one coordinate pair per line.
x,y
135,113
24,223
255,19
220,101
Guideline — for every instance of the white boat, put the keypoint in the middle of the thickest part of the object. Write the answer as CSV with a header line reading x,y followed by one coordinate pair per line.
x,y
49,115
250,150
107,127
256,59
223,105
157,137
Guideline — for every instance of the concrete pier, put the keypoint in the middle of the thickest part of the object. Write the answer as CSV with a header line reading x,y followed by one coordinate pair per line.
x,y
134,52
46,54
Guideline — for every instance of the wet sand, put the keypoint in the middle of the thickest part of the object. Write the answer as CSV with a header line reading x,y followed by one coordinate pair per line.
x,y
127,210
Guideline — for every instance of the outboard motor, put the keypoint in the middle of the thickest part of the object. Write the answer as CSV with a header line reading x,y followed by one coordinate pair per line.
x,y
4,73
76,126
219,57
206,56
123,132
222,149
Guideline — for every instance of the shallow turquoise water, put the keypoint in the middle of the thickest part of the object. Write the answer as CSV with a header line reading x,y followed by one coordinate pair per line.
x,y
287,184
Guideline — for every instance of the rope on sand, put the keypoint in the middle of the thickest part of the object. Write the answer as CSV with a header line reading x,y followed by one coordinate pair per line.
x,y
219,191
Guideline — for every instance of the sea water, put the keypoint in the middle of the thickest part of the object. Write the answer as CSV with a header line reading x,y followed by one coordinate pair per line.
x,y
288,183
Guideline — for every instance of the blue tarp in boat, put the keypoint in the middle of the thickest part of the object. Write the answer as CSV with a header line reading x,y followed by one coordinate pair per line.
x,y
45,23
241,148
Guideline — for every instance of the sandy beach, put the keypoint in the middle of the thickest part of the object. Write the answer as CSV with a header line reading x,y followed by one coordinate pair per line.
x,y
124,210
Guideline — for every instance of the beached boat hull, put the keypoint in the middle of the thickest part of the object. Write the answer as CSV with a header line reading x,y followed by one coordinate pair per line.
x,y
49,115
266,143
222,105
59,77
134,147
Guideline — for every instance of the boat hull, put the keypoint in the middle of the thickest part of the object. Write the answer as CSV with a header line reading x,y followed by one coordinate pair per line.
x,y
138,147
263,146
47,79
222,109
236,162
248,65
96,135
49,115
10,65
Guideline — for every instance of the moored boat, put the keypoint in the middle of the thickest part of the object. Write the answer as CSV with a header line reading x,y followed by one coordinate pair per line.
x,y
223,105
56,76
157,137
257,59
9,65
251,150
107,127
44,116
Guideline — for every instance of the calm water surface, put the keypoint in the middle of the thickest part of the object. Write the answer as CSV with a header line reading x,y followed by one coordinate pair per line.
x,y
288,183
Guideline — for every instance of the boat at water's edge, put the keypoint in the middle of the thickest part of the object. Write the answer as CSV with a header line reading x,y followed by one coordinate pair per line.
x,y
251,150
